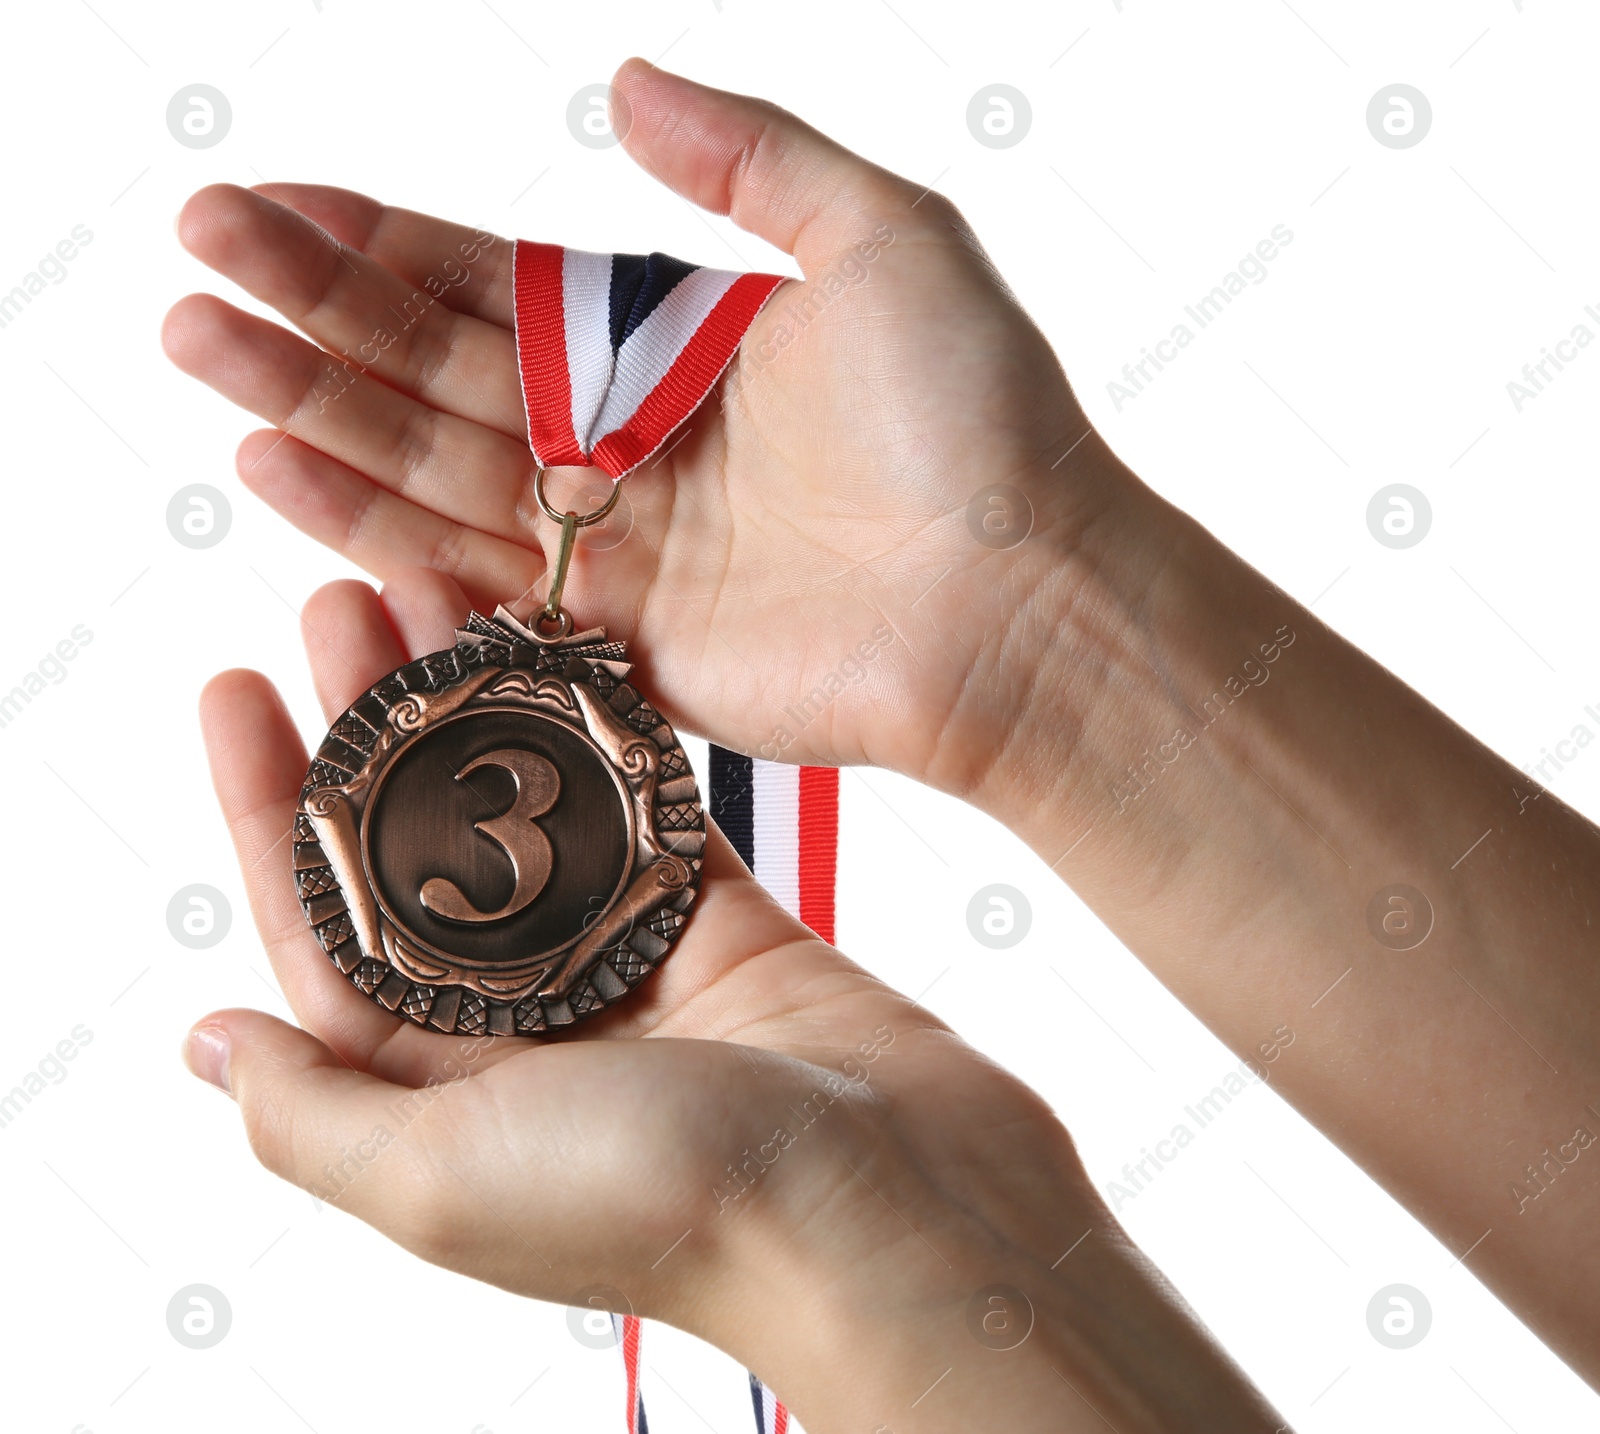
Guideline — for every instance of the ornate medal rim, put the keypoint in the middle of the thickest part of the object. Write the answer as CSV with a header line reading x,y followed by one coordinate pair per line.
x,y
497,664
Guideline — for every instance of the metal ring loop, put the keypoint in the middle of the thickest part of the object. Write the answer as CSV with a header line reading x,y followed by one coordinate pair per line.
x,y
597,516
563,630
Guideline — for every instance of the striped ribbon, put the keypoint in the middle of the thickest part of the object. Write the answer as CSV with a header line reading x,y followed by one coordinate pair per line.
x,y
616,350
784,821
628,1331
771,1416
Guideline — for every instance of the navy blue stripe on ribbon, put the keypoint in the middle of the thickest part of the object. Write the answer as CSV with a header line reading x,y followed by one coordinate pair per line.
x,y
756,1392
638,283
733,806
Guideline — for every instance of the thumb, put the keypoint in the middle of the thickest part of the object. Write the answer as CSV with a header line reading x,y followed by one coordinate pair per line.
x,y
768,170
348,1137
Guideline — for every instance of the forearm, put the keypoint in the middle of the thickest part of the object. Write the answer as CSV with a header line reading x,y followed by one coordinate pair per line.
x,y
1230,785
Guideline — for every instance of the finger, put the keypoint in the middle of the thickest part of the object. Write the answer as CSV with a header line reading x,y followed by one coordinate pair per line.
x,y
258,764
772,173
474,265
376,529
350,643
355,307
354,636
311,1120
458,469
520,1179
425,608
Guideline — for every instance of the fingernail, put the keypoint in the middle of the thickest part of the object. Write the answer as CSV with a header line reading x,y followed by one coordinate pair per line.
x,y
205,1052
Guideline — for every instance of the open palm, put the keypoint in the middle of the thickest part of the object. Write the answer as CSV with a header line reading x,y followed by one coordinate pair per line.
x,y
549,1166
801,572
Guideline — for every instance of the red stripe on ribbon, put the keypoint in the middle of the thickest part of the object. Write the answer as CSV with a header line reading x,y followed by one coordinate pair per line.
x,y
819,847
688,380
542,352
630,1363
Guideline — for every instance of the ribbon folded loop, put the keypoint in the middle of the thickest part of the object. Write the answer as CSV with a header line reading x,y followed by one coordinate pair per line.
x,y
617,350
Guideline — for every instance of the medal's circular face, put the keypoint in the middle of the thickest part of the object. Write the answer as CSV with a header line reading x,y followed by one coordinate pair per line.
x,y
500,837
462,830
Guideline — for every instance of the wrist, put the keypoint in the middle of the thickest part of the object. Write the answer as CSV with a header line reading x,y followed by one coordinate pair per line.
x,y
959,1325
879,1287
1062,661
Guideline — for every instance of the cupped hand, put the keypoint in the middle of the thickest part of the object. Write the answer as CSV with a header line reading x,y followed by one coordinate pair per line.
x,y
776,1086
802,579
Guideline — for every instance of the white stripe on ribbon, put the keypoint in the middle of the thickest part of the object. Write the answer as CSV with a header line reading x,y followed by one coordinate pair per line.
x,y
776,818
651,349
586,305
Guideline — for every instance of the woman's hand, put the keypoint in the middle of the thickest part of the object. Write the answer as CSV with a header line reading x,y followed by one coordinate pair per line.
x,y
763,1144
819,513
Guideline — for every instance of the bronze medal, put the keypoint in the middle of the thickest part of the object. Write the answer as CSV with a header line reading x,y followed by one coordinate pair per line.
x,y
502,837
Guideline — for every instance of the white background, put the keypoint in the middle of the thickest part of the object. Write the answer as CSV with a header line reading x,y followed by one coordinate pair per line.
x,y
1166,140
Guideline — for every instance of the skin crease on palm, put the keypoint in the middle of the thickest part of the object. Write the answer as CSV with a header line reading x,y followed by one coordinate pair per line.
x,y
825,495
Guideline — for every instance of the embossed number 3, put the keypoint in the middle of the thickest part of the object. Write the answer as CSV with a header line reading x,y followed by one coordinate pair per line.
x,y
538,785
